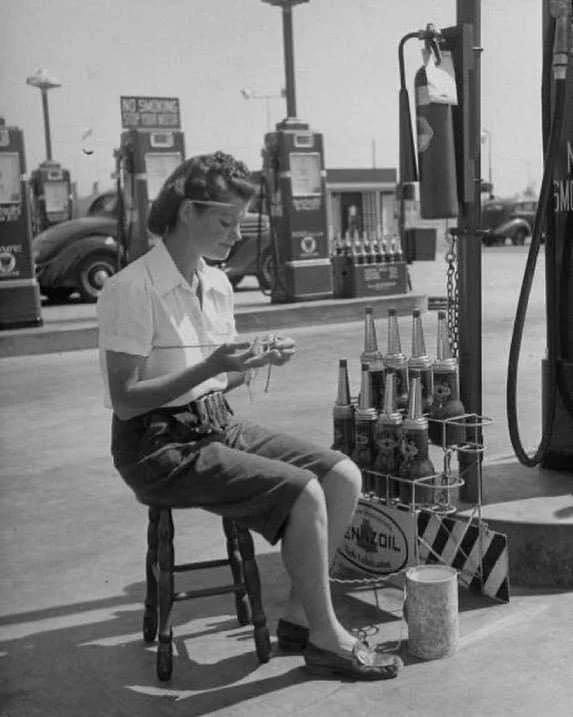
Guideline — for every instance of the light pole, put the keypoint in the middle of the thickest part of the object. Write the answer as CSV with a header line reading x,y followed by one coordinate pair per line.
x,y
486,137
248,94
288,46
44,82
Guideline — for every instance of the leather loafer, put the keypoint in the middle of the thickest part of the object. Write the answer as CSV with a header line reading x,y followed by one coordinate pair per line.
x,y
365,663
291,636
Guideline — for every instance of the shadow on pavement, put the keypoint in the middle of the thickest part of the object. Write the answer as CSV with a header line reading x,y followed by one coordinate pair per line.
x,y
90,659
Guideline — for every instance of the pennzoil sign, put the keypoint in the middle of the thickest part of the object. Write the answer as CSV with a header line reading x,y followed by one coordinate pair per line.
x,y
379,541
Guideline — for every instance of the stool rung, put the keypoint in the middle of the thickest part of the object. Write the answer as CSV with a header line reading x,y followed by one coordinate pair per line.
x,y
200,565
206,592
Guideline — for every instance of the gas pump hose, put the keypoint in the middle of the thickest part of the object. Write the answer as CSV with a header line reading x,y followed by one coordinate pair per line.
x,y
552,147
266,201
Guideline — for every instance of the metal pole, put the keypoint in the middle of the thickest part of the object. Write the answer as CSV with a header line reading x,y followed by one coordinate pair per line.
x,y
469,263
46,112
489,163
289,60
268,113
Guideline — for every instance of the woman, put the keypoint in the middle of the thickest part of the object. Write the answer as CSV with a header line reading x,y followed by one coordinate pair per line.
x,y
168,352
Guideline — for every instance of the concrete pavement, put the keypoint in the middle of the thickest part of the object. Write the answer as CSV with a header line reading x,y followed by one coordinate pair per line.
x,y
74,327
72,546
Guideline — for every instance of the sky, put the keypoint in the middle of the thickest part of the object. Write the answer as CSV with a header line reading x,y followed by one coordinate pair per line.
x,y
205,51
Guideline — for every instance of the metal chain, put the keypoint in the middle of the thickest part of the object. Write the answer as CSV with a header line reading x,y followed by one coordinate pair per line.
x,y
372,582
453,295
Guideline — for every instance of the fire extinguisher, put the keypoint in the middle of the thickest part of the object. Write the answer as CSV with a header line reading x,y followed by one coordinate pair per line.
x,y
436,149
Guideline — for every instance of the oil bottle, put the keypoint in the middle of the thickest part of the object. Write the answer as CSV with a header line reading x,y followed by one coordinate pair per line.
x,y
415,460
446,399
367,249
420,361
365,429
395,361
343,413
373,357
389,440
358,249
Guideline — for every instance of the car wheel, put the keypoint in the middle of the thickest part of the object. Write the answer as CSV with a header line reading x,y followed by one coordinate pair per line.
x,y
266,273
57,296
92,275
519,237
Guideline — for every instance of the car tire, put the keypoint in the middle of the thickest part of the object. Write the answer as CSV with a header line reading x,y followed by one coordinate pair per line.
x,y
266,272
519,237
93,272
58,295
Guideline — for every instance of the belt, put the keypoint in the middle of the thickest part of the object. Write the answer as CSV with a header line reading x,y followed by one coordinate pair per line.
x,y
211,410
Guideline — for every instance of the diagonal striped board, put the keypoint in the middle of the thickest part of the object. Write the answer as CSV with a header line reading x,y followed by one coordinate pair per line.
x,y
460,543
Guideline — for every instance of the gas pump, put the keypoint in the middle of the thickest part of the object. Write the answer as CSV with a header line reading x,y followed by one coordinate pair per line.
x,y
295,186
554,217
19,292
52,193
152,147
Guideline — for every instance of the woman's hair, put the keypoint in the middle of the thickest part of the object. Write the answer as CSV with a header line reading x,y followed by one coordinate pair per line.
x,y
216,177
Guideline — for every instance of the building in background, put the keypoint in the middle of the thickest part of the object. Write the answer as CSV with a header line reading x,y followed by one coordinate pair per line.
x,y
359,199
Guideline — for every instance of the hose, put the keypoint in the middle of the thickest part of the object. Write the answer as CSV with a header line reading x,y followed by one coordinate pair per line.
x,y
262,202
121,229
552,134
277,284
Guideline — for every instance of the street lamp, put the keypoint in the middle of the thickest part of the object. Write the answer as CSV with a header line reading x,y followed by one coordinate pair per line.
x,y
248,94
288,46
486,137
44,82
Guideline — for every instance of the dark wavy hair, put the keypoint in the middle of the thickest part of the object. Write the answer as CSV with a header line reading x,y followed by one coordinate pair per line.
x,y
216,177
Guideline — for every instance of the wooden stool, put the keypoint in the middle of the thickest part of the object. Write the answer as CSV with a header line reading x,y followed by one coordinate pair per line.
x,y
160,595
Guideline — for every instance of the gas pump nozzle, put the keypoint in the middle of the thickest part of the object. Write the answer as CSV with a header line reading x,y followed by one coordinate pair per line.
x,y
432,36
561,10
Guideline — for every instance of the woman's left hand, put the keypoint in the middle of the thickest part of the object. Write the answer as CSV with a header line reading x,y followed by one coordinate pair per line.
x,y
272,349
281,350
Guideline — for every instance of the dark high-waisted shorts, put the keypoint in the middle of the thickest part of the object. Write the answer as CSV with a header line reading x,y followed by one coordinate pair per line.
x,y
241,470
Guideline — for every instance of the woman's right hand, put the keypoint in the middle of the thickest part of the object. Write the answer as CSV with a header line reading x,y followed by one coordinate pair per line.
x,y
235,357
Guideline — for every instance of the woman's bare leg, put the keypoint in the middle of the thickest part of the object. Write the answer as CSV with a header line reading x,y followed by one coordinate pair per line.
x,y
307,548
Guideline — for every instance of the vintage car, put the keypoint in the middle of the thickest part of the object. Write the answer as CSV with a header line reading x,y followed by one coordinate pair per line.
x,y
80,254
508,219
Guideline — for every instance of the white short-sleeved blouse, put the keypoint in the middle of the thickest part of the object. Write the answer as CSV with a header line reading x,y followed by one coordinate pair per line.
x,y
149,309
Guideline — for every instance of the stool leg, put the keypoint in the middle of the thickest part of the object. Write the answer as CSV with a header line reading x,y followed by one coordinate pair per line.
x,y
150,613
166,556
237,569
253,585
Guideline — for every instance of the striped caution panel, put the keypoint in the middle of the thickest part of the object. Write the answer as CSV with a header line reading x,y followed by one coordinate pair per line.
x,y
479,556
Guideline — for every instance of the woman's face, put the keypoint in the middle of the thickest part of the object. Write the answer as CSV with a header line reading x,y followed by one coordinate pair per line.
x,y
216,227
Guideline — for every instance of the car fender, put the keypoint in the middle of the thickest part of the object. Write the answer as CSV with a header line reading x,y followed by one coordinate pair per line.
x,y
510,228
61,271
53,240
